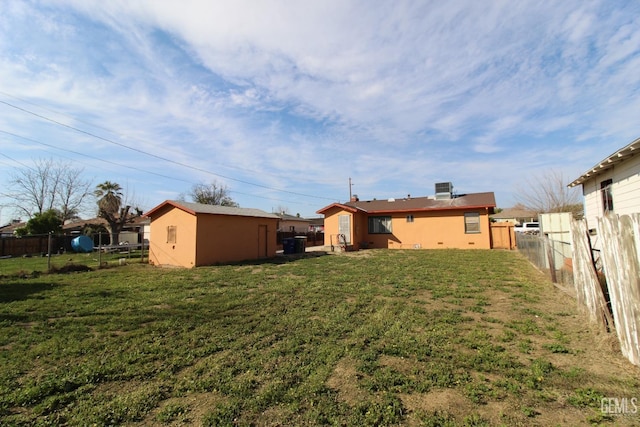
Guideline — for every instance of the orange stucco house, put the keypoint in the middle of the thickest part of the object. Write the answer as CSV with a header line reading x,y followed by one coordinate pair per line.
x,y
443,221
192,234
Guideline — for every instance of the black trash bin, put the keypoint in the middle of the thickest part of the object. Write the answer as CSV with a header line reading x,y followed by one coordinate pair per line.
x,y
301,244
289,245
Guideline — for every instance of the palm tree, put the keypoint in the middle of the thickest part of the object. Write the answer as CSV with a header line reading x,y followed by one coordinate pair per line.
x,y
110,208
109,196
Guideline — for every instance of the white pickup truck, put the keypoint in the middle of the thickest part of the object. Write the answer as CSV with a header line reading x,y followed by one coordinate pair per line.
x,y
528,227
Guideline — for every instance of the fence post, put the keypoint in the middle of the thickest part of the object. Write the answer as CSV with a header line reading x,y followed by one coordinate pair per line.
x,y
550,259
142,246
49,252
99,250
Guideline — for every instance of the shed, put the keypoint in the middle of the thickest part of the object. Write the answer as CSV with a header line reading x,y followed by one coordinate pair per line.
x,y
193,234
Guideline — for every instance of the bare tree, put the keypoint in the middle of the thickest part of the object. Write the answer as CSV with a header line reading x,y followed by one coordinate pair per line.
x,y
72,193
49,185
548,193
211,194
281,209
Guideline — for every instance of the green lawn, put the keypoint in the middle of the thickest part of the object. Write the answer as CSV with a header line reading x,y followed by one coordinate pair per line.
x,y
36,265
377,337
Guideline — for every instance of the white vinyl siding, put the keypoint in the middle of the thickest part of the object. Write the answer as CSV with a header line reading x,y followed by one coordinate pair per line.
x,y
625,189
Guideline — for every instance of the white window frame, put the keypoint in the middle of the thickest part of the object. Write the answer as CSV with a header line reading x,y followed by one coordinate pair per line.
x,y
380,225
472,223
344,227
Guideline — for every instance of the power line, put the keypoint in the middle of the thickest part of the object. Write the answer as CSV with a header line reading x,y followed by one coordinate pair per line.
x,y
89,156
157,156
115,133
119,165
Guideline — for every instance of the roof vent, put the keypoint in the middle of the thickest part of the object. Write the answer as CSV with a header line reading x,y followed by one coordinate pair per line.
x,y
443,190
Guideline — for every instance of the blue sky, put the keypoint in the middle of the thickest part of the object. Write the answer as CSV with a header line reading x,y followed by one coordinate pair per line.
x,y
284,101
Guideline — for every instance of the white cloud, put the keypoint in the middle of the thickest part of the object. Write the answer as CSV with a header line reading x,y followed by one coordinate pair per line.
x,y
383,91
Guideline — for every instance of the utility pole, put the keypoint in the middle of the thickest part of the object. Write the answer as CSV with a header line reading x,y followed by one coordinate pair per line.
x,y
350,185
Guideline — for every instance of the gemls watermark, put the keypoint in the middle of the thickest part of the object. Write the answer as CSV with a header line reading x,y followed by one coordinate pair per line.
x,y
619,405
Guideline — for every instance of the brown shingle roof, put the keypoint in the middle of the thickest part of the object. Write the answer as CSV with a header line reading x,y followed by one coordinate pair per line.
x,y
199,208
465,201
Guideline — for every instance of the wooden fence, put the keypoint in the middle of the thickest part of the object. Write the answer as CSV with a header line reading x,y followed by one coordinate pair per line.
x,y
34,245
590,290
620,257
313,238
503,235
39,244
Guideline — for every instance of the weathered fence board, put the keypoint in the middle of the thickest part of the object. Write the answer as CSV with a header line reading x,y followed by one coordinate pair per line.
x,y
503,236
621,264
587,285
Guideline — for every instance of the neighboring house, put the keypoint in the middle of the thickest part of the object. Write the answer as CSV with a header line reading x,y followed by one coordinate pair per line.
x,y
192,234
78,226
10,229
129,234
612,185
316,225
515,215
293,224
444,221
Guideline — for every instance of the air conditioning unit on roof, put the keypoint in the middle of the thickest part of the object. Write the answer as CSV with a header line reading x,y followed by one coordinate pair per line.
x,y
444,190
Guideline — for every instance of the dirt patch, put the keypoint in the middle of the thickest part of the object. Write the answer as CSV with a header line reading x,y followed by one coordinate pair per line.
x,y
400,364
345,381
192,409
447,400
358,254
71,268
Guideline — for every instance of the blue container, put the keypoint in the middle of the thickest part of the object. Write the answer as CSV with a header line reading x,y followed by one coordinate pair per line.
x,y
289,245
82,244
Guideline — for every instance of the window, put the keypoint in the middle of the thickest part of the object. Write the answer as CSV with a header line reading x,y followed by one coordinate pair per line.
x,y
409,218
379,225
471,222
171,233
344,227
607,195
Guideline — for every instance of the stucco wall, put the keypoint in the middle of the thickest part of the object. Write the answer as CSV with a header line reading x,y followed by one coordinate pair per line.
x,y
331,221
227,238
429,230
182,252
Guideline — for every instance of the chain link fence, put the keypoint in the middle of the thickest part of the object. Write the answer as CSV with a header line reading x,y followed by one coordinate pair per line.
x,y
553,257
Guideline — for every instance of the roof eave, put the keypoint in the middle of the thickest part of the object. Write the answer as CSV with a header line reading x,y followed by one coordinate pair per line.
x,y
338,205
608,162
150,213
